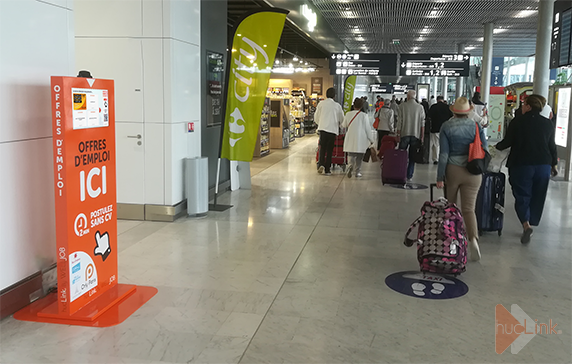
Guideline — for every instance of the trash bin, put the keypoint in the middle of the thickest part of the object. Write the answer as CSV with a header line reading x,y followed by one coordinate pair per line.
x,y
197,186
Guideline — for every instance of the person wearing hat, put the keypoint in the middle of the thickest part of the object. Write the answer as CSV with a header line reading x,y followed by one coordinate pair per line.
x,y
455,137
386,124
532,159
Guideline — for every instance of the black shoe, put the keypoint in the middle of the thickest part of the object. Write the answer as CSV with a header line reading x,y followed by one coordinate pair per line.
x,y
525,238
435,162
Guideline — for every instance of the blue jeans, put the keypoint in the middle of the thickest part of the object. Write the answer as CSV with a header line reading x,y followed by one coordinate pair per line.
x,y
409,142
529,187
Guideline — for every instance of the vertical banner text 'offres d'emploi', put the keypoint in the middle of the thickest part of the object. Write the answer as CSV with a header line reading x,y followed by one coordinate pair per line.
x,y
83,112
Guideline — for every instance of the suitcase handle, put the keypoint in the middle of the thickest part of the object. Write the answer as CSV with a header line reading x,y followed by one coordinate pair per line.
x,y
434,185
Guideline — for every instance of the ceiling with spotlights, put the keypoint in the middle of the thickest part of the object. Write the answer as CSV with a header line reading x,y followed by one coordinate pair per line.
x,y
417,26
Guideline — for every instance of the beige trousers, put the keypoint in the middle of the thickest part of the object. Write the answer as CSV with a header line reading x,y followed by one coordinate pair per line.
x,y
459,180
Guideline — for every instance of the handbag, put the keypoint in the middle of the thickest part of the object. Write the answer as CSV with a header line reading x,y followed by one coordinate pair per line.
x,y
376,123
367,155
373,154
418,153
479,158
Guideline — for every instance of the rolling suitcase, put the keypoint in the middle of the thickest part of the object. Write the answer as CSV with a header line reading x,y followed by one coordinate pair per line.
x,y
394,167
338,156
387,142
490,203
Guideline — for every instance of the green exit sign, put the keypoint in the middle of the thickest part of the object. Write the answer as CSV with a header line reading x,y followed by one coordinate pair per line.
x,y
396,41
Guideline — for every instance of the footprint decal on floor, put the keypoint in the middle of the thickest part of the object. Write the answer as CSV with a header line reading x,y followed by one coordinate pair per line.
x,y
438,288
418,289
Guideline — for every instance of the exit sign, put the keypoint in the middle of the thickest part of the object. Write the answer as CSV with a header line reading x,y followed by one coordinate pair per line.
x,y
396,41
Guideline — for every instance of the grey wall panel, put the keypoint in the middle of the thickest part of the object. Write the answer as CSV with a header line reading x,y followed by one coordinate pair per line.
x,y
213,38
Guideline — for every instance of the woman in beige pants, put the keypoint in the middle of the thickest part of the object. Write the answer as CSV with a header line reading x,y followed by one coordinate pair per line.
x,y
455,137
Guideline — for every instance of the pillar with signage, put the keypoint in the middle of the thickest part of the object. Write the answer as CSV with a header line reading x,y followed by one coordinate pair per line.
x,y
83,120
563,137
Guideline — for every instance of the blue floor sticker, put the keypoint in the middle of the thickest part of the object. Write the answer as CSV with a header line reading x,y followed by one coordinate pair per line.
x,y
426,285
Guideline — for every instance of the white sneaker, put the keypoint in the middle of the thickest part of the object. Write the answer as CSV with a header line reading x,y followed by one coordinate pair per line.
x,y
350,170
474,250
359,174
321,170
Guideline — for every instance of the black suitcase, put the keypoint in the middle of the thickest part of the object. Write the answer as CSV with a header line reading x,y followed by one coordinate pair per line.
x,y
490,203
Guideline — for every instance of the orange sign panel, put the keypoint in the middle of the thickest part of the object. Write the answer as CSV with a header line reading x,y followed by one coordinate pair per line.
x,y
83,113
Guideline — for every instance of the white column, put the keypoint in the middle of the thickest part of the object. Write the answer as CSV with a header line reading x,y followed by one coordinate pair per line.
x,y
435,91
460,81
445,83
541,77
487,63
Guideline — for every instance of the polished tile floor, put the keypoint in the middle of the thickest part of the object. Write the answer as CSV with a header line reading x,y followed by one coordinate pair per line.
x,y
294,273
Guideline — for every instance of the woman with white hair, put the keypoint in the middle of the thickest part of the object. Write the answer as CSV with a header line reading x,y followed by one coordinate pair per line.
x,y
386,124
359,137
455,137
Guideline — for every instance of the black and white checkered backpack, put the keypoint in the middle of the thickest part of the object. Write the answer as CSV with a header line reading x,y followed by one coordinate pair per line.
x,y
441,238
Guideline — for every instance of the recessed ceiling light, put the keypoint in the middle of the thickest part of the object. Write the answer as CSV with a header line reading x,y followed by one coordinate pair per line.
x,y
295,58
525,13
499,30
481,39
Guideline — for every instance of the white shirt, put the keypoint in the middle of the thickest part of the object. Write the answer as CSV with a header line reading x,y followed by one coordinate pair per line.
x,y
329,115
546,111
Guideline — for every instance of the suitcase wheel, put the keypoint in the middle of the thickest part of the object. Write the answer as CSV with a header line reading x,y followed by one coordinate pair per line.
x,y
480,233
500,232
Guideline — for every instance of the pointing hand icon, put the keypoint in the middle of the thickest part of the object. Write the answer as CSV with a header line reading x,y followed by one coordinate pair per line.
x,y
102,245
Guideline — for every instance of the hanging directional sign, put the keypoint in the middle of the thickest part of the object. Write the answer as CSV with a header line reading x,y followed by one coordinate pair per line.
x,y
444,65
363,64
390,88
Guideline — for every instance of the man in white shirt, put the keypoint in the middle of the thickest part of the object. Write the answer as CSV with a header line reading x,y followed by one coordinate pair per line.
x,y
411,128
329,116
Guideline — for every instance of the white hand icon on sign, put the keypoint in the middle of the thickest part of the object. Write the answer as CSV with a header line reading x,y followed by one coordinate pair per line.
x,y
102,245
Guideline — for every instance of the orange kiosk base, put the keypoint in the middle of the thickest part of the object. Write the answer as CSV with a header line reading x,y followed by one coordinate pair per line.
x,y
111,308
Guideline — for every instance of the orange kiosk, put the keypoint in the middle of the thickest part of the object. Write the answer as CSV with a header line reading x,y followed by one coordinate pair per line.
x,y
83,120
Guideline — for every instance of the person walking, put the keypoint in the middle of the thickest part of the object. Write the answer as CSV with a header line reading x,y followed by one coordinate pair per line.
x,y
358,137
480,109
455,137
532,159
411,128
365,107
438,114
329,115
432,101
386,124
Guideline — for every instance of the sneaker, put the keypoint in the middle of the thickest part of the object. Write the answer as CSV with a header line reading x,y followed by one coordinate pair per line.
x,y
408,180
435,162
328,173
321,170
350,170
359,174
474,249
525,238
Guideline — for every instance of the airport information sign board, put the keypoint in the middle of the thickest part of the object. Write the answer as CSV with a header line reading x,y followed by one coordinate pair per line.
x,y
363,64
436,65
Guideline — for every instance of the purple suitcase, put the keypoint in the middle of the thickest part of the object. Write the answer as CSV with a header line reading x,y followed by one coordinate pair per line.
x,y
394,167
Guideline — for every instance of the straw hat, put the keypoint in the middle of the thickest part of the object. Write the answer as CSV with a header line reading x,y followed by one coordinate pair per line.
x,y
461,106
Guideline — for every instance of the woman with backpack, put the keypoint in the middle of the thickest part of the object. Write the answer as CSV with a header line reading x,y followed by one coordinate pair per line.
x,y
359,137
455,137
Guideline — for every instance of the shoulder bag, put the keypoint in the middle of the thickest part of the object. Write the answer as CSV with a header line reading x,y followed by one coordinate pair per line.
x,y
479,158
